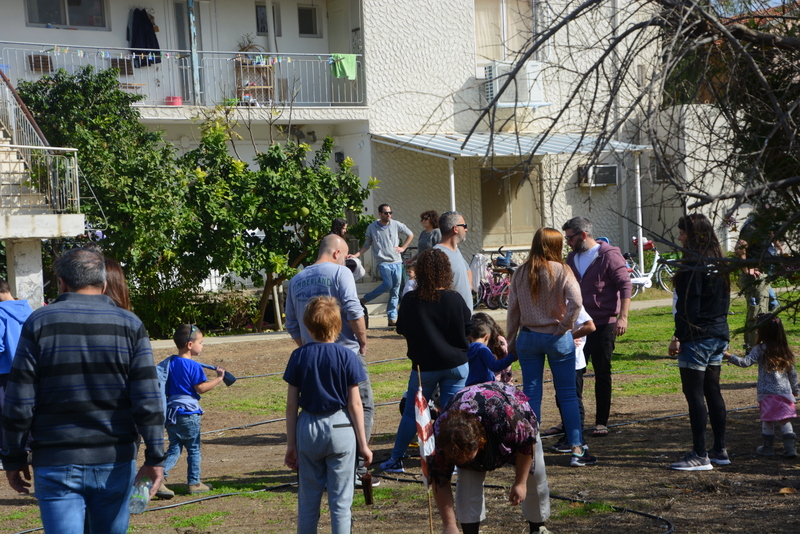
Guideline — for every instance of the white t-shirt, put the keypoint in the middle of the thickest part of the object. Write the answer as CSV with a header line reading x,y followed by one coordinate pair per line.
x,y
584,259
580,359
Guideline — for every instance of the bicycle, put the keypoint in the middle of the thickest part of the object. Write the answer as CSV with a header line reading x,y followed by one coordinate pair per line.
x,y
662,271
493,290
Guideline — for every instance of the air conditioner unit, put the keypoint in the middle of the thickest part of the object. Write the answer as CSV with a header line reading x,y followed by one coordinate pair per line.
x,y
528,86
598,175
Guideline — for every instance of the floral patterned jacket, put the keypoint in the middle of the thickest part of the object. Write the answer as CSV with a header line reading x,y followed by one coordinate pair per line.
x,y
510,425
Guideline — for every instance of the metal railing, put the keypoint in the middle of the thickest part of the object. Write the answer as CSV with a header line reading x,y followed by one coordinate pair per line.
x,y
277,79
154,74
34,177
16,118
164,77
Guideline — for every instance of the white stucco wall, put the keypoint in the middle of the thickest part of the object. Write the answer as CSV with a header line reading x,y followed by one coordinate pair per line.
x,y
418,54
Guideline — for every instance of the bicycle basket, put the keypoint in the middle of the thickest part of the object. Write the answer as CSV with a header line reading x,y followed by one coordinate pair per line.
x,y
648,243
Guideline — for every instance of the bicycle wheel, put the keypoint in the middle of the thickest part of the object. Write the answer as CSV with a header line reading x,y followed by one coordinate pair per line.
x,y
492,301
504,297
664,276
635,288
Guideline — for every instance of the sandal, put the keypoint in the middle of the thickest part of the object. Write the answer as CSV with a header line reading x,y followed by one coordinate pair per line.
x,y
600,432
553,430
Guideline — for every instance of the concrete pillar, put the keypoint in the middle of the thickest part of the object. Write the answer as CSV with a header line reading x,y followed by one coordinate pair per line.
x,y
24,259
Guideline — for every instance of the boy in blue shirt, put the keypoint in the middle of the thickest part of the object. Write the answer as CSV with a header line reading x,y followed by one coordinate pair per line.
x,y
186,382
321,441
482,362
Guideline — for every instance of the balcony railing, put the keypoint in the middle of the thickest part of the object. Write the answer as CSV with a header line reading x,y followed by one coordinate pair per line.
x,y
232,78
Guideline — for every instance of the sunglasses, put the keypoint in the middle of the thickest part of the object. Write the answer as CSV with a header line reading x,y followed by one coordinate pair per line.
x,y
568,238
386,212
464,226
192,330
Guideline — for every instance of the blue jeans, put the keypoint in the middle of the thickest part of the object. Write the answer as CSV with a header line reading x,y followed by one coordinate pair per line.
x,y
560,350
450,381
185,433
70,494
698,355
391,273
326,453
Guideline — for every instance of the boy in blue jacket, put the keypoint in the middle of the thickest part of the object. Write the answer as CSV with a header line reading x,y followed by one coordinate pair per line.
x,y
482,362
13,314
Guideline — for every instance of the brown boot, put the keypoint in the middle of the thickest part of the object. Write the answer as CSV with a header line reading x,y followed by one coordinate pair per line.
x,y
164,492
199,488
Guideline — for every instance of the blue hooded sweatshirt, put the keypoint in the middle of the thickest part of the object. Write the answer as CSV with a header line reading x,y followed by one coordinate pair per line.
x,y
13,314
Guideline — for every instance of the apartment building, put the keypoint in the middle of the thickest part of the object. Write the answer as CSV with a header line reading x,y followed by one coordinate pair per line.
x,y
399,85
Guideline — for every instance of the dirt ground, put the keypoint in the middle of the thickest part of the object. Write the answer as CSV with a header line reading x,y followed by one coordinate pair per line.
x,y
648,433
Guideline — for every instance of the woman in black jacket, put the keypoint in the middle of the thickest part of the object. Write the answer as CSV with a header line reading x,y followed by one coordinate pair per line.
x,y
702,299
434,320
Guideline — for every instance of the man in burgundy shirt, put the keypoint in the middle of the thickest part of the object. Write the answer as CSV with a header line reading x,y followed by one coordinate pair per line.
x,y
606,290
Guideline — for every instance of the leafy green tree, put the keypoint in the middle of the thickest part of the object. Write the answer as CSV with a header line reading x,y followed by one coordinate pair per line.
x,y
264,223
131,172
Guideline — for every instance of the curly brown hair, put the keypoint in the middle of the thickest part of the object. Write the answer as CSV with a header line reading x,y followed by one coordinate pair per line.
x,y
433,273
461,435
432,217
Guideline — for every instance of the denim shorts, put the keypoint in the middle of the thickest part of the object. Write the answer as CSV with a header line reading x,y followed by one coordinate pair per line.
x,y
701,353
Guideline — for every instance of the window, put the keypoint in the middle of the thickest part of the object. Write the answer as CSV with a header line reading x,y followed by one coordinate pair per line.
x,y
502,29
261,19
510,207
83,14
308,21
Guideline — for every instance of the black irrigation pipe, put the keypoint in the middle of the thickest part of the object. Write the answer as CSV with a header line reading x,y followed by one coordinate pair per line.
x,y
276,374
192,501
667,522
390,403
289,484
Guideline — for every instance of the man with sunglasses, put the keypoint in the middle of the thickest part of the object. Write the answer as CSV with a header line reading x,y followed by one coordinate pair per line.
x,y
383,236
606,291
454,231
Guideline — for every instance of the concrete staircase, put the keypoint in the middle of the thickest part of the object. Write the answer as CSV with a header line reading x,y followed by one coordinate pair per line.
x,y
19,194
376,308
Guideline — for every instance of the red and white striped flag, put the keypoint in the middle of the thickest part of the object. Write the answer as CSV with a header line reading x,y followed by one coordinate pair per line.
x,y
424,433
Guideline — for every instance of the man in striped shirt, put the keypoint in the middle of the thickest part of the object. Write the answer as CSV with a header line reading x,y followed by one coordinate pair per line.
x,y
83,384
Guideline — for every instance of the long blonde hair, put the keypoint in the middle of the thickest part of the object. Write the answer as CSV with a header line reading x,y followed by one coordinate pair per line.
x,y
547,246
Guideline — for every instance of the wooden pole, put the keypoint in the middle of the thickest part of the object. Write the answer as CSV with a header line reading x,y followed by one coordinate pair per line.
x,y
423,459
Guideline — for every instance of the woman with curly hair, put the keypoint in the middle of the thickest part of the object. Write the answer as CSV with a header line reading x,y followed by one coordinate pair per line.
x,y
484,427
434,320
431,236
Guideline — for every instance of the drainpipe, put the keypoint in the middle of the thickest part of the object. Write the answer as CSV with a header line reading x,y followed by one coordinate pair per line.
x,y
640,246
193,52
452,185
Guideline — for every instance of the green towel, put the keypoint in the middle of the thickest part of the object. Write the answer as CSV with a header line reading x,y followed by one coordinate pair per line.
x,y
343,66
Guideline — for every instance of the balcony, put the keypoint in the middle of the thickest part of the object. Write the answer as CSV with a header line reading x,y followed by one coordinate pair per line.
x,y
231,78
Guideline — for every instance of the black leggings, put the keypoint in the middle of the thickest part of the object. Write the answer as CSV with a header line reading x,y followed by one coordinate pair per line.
x,y
701,387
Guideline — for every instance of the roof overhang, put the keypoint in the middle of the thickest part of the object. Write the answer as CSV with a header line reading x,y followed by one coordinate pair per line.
x,y
483,144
